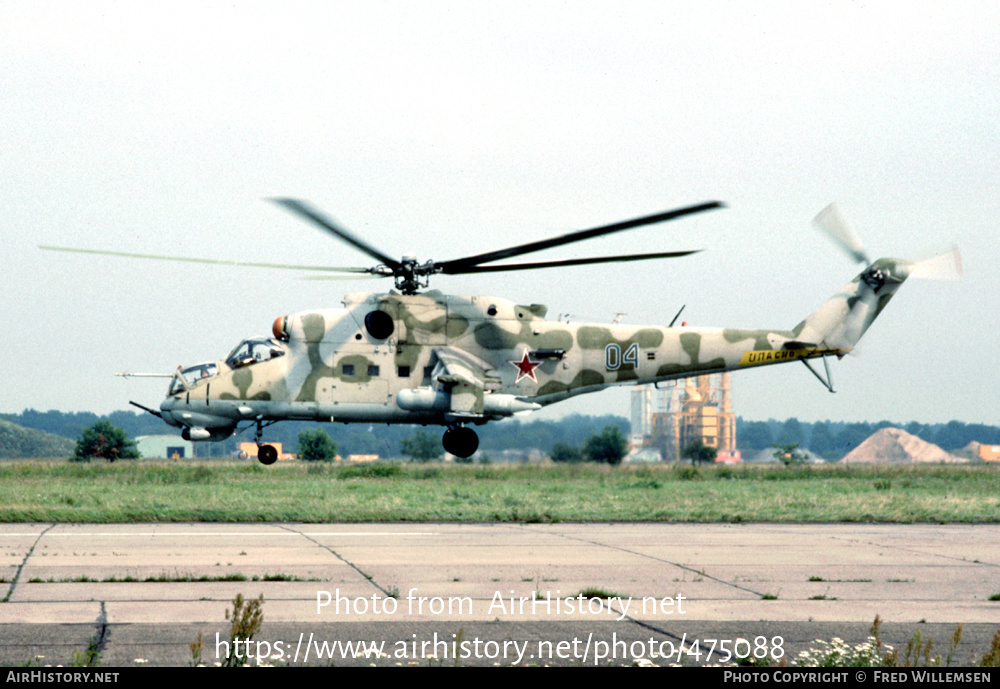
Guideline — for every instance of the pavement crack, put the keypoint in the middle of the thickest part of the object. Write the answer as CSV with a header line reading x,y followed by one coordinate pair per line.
x,y
390,593
20,568
919,551
681,640
100,638
699,572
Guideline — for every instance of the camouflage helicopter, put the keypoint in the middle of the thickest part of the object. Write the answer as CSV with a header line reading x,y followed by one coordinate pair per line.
x,y
419,356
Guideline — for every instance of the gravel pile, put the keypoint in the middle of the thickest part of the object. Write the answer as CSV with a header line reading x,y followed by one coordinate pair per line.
x,y
896,446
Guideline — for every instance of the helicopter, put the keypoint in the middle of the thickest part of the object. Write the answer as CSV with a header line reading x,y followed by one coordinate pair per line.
x,y
415,355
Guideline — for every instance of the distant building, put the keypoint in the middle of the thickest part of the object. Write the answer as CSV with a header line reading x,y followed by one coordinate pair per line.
x,y
164,446
641,418
987,453
728,457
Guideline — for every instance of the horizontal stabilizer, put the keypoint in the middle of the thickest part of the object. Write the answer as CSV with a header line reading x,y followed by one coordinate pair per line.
x,y
798,344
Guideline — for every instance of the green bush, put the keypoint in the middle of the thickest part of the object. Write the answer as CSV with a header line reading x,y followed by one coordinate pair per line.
x,y
316,446
698,452
610,447
421,446
789,454
561,452
104,440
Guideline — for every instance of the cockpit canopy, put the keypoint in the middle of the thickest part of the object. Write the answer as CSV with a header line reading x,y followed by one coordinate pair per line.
x,y
253,351
190,376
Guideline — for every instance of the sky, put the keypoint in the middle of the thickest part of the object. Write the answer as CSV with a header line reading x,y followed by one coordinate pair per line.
x,y
445,129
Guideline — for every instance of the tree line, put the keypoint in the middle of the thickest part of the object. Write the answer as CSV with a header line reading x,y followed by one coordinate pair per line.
x,y
830,439
363,439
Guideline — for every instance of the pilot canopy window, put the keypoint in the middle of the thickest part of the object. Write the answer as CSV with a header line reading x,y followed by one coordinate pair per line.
x,y
191,376
253,352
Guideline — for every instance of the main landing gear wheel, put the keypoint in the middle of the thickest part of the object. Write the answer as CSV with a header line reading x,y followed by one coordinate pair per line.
x,y
460,441
267,454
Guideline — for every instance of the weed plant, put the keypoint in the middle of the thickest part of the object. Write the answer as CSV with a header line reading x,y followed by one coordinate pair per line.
x,y
918,652
245,621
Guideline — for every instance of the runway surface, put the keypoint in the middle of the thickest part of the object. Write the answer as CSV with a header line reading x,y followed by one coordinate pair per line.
x,y
484,594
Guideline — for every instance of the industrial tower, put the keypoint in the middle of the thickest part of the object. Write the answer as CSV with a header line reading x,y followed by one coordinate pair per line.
x,y
668,418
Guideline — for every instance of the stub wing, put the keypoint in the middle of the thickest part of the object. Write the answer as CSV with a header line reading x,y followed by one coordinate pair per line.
x,y
465,378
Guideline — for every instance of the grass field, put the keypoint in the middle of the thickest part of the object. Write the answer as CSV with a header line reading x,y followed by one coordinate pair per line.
x,y
219,491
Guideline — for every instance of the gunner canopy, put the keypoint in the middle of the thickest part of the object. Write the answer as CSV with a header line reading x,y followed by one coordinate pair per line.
x,y
188,377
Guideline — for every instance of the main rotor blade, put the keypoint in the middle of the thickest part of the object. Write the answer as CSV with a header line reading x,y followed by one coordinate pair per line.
x,y
569,262
182,259
306,211
371,276
462,264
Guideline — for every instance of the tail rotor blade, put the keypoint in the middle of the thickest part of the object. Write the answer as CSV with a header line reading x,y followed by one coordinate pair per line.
x,y
944,266
832,222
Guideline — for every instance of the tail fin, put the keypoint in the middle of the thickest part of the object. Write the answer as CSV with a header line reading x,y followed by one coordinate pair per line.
x,y
841,321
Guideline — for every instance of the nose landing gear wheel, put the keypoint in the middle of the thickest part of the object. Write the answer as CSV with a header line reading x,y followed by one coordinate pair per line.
x,y
267,454
460,441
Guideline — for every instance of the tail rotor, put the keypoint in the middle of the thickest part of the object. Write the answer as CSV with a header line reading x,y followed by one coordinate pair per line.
x,y
944,265
844,318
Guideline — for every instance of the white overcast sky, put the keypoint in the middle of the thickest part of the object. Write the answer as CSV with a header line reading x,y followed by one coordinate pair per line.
x,y
444,129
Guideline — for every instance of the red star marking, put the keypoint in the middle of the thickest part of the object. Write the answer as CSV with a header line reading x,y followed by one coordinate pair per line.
x,y
525,367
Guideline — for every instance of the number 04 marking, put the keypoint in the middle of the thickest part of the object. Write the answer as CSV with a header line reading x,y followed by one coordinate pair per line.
x,y
613,358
